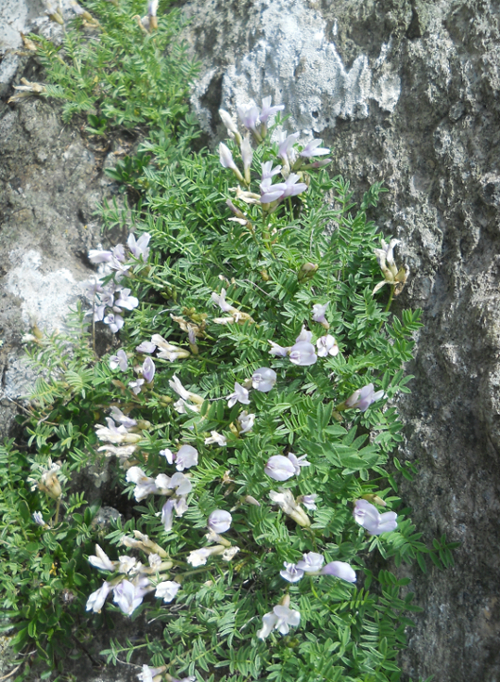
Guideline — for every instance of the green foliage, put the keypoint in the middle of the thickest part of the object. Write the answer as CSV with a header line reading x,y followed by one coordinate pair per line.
x,y
274,263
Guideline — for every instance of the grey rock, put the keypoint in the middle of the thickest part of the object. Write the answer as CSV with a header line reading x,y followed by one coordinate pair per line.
x,y
407,93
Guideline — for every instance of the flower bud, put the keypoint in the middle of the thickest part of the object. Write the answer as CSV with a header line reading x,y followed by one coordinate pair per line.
x,y
307,271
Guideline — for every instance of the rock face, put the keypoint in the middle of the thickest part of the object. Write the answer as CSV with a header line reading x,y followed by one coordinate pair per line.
x,y
406,92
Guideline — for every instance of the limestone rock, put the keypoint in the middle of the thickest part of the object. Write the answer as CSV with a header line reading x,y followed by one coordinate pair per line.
x,y
407,92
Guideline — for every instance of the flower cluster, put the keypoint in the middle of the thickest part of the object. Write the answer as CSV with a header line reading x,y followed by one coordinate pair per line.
x,y
111,299
131,580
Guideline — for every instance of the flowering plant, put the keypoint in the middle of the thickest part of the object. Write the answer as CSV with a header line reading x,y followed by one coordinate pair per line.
x,y
246,410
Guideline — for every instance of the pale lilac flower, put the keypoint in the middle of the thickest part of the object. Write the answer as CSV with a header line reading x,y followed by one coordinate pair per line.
x,y
240,395
318,313
309,501
249,117
136,386
286,147
263,379
119,360
168,454
217,438
268,171
327,345
114,321
313,149
128,596
186,457
291,572
144,485
298,462
147,674
219,521
368,516
267,110
177,504
278,351
167,590
311,562
227,161
181,484
341,570
114,434
101,560
146,347
220,300
98,256
126,301
148,370
270,192
303,354
96,600
280,618
38,519
122,419
245,422
139,248
364,397
280,468
304,335
293,187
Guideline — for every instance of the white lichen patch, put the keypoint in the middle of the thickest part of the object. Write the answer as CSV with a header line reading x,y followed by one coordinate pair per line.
x,y
297,62
45,297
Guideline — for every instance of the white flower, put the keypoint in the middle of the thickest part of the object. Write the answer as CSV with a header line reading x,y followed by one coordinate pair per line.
x,y
139,248
318,314
302,353
279,351
167,591
240,395
96,600
291,572
230,552
167,350
128,596
364,397
280,618
144,485
327,345
186,457
298,462
216,438
280,468
309,501
102,560
311,562
198,557
368,516
119,360
340,570
245,422
263,379
219,521
128,564
304,335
